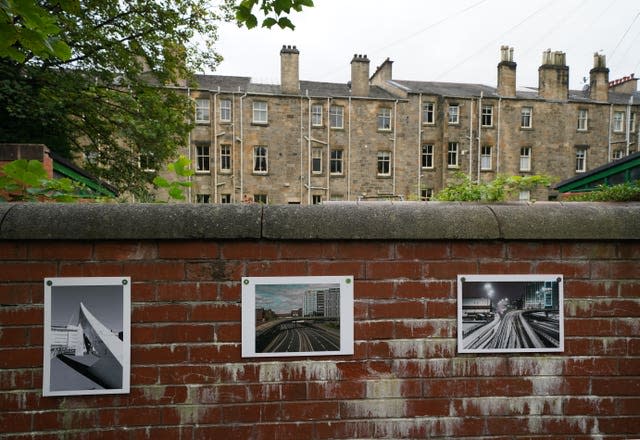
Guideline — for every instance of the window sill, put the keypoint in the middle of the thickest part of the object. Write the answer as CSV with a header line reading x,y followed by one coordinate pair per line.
x,y
203,173
384,176
337,128
225,172
339,176
428,169
526,128
203,122
260,124
259,173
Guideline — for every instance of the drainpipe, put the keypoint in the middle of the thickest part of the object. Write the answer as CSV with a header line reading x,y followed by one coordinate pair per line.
x,y
498,138
309,149
233,148
609,140
470,137
628,128
328,148
349,153
215,147
419,145
395,136
189,153
242,146
479,134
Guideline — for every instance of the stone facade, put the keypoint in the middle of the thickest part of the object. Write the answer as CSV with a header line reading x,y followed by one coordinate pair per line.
x,y
379,137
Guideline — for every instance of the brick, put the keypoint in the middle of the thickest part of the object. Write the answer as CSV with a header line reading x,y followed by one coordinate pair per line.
x,y
228,332
308,250
125,250
28,271
620,270
589,251
277,268
377,270
21,315
160,313
616,308
89,269
620,425
327,268
359,250
179,374
141,375
482,251
153,271
627,405
216,353
192,414
578,269
589,406
533,251
613,386
187,250
629,250
449,270
134,416
215,312
588,327
14,336
15,421
239,250
591,367
609,346
349,389
13,250
184,333
20,357
441,309
630,289
423,250
457,387
397,309
505,267
373,289
66,420
423,289
22,293
504,387
16,379
589,289
423,328
158,354
367,330
230,291
299,411
60,250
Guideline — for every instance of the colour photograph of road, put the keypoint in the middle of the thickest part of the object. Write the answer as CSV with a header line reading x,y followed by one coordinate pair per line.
x,y
510,316
297,318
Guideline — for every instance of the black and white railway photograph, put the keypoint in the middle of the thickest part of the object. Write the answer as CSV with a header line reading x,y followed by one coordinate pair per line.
x,y
298,317
510,313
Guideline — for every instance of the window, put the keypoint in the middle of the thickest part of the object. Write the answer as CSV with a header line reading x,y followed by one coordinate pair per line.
x,y
225,110
203,198
583,119
618,121
202,110
316,115
384,163
202,159
427,156
618,154
428,113
316,160
225,158
426,194
225,198
632,124
485,158
335,163
384,119
452,155
525,159
524,195
487,116
454,114
260,198
260,160
316,199
525,117
260,112
581,160
336,116
147,162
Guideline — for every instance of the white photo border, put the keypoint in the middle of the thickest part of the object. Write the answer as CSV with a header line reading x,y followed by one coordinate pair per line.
x,y
516,278
249,313
61,282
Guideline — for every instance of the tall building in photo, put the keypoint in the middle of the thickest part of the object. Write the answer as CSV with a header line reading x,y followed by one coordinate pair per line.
x,y
322,302
307,142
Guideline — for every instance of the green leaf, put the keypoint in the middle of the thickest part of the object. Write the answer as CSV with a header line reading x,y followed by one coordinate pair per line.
x,y
176,193
161,182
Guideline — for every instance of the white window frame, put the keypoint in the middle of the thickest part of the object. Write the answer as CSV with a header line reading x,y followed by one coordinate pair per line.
x,y
203,159
453,153
632,122
336,116
336,162
454,114
487,116
225,198
225,110
524,195
618,154
202,110
426,194
618,121
316,115
384,119
260,112
226,158
583,119
486,159
525,159
203,198
426,157
429,113
316,160
581,160
316,199
383,163
260,159
526,117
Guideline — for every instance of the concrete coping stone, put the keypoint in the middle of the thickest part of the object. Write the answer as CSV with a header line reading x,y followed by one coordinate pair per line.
x,y
332,221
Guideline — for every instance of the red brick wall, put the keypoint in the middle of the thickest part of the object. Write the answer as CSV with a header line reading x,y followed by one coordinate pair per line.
x,y
405,379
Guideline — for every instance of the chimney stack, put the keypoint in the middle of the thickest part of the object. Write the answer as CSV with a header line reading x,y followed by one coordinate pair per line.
x,y
289,71
506,73
360,75
599,78
553,76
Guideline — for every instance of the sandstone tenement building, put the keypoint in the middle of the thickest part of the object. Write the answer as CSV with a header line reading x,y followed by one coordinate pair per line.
x,y
376,136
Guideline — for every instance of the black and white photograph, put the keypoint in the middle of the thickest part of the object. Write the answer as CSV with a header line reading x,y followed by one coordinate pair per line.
x,y
297,316
510,313
87,338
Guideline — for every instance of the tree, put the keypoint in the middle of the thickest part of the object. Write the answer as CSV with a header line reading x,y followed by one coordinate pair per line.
x,y
275,12
463,189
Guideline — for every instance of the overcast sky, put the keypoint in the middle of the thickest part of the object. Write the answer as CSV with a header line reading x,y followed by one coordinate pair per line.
x,y
453,41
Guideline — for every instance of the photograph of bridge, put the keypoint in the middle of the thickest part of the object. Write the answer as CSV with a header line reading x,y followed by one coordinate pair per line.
x,y
296,316
87,336
510,313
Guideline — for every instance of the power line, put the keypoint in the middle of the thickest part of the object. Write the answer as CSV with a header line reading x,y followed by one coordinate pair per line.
x,y
624,35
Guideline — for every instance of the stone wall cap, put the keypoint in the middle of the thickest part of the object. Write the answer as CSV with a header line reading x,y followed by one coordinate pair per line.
x,y
335,221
